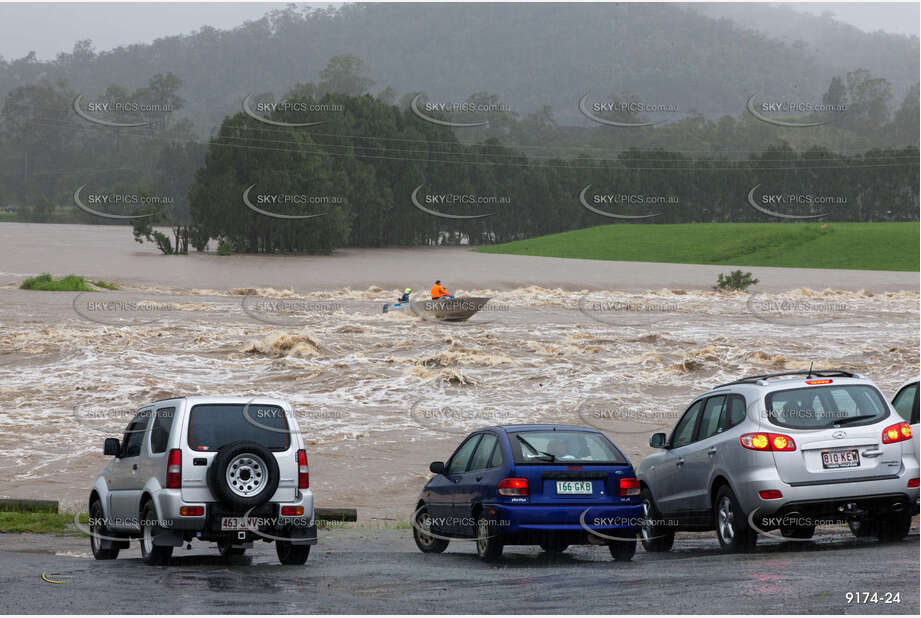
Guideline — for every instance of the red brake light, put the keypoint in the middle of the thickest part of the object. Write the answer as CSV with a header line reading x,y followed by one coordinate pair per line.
x,y
513,487
628,487
192,511
896,433
770,494
303,472
174,469
913,482
767,442
292,511
819,381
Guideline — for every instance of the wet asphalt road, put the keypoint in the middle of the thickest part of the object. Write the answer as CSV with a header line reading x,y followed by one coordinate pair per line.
x,y
381,571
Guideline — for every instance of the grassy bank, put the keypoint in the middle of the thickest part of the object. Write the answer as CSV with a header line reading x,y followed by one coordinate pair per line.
x,y
858,246
13,522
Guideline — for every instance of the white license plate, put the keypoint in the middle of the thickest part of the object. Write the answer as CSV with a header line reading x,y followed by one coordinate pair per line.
x,y
843,458
574,487
239,523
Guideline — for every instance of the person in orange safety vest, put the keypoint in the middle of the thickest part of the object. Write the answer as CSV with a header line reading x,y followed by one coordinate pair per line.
x,y
438,291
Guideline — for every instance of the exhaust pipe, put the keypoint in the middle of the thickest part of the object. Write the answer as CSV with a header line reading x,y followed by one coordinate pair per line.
x,y
897,507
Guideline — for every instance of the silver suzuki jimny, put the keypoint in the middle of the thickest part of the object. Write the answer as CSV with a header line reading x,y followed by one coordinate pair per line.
x,y
229,470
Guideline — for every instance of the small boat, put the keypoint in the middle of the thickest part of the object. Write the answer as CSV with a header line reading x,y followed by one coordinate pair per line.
x,y
446,309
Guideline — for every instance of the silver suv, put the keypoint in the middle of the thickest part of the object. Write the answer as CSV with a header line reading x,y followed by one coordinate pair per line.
x,y
224,469
781,452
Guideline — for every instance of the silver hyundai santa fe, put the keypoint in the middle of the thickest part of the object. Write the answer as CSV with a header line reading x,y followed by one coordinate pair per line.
x,y
229,470
781,452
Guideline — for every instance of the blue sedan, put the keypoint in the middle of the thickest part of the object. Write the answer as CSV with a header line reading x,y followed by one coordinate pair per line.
x,y
547,485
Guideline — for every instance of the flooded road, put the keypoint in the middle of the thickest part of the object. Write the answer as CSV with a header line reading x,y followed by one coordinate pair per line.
x,y
379,395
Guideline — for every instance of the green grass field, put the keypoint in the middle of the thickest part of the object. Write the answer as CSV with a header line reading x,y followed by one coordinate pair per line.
x,y
859,246
70,283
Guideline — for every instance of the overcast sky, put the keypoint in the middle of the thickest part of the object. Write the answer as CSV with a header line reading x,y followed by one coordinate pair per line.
x,y
49,29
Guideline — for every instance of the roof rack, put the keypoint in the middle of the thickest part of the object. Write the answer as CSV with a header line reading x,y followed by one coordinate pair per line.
x,y
818,373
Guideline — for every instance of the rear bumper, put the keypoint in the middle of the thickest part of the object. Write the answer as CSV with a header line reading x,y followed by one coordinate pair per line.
x,y
579,518
169,503
829,502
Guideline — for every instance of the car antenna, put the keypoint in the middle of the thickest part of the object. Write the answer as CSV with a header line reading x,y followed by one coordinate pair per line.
x,y
810,369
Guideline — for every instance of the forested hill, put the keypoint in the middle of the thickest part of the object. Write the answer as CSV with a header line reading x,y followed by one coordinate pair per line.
x,y
529,55
835,44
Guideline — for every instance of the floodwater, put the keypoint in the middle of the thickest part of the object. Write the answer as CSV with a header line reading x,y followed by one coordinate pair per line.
x,y
379,395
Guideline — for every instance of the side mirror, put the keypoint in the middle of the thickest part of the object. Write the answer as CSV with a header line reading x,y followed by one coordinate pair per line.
x,y
111,447
658,440
438,467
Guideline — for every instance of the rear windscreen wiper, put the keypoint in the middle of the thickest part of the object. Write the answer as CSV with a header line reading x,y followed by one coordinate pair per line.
x,y
853,419
531,446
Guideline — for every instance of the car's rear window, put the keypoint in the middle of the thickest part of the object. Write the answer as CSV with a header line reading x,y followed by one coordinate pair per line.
x,y
819,407
543,447
211,426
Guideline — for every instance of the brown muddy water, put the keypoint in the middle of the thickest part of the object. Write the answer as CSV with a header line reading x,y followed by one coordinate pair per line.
x,y
620,346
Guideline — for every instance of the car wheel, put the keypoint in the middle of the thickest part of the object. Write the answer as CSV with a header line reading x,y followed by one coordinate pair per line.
x,y
863,528
228,551
894,527
290,553
427,543
656,538
622,551
797,532
152,554
488,541
553,545
97,531
732,529
243,474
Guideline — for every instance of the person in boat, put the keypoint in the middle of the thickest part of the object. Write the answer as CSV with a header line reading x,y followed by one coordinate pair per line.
x,y
438,291
405,297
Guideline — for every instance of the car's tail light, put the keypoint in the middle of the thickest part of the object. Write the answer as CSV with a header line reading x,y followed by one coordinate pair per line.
x,y
628,487
303,472
292,511
174,469
767,442
770,494
192,511
913,482
896,433
819,381
513,487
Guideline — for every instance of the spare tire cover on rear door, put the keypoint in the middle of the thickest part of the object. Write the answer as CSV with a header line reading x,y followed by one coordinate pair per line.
x,y
243,474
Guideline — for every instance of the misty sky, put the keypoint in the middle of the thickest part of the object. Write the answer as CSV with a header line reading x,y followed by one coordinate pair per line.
x,y
50,28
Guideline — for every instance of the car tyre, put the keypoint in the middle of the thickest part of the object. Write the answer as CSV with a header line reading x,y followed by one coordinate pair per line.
x,y
489,543
292,553
154,555
228,551
894,527
553,545
732,529
863,528
655,538
427,543
97,530
226,474
797,532
622,551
